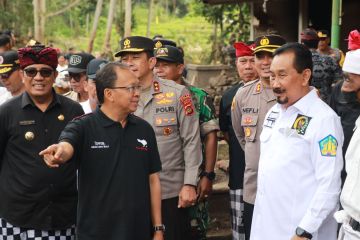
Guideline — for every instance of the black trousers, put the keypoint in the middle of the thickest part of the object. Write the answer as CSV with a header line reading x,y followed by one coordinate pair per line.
x,y
248,214
176,220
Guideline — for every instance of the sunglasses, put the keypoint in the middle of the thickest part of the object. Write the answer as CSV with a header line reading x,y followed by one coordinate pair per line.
x,y
7,74
76,76
44,72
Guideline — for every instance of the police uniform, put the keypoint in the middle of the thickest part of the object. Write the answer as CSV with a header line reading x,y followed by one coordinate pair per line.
x,y
251,103
170,111
299,171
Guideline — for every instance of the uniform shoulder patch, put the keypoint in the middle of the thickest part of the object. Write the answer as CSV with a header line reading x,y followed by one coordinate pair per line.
x,y
301,123
328,146
186,102
250,83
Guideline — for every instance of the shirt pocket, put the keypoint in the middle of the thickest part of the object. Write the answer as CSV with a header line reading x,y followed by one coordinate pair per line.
x,y
165,124
249,124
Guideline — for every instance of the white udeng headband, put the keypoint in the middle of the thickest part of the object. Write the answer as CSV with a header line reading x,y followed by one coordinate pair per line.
x,y
352,62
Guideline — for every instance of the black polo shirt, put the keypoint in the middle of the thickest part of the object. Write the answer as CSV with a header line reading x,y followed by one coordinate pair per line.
x,y
114,168
33,195
236,154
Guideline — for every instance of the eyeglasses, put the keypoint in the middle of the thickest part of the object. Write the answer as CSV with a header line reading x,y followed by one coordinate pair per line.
x,y
130,89
76,76
44,72
7,74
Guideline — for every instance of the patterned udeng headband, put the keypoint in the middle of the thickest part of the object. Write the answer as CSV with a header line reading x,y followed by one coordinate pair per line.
x,y
37,55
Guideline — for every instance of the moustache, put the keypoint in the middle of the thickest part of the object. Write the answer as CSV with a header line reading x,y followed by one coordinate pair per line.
x,y
278,90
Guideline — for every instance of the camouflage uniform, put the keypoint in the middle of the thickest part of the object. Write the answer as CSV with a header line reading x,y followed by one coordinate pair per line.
x,y
205,109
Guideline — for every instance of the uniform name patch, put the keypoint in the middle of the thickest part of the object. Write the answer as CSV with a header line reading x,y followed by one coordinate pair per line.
x,y
165,109
328,146
301,123
271,119
250,110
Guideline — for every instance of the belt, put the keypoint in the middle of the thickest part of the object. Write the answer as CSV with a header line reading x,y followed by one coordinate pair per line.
x,y
355,225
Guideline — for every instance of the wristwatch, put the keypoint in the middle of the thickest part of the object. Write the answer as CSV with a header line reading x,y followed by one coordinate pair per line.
x,y
209,175
302,233
159,228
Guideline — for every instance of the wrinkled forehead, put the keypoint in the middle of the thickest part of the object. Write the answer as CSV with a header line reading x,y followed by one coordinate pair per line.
x,y
38,66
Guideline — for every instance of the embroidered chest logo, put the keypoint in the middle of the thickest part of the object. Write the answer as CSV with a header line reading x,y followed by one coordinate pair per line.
x,y
271,119
328,146
143,144
99,145
301,123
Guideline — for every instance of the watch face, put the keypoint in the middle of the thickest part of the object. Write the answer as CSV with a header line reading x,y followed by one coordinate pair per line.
x,y
211,175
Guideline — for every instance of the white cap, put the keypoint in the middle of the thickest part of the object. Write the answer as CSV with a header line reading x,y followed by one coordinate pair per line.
x,y
352,62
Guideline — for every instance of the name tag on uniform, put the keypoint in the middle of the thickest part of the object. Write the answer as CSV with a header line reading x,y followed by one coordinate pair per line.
x,y
271,119
26,122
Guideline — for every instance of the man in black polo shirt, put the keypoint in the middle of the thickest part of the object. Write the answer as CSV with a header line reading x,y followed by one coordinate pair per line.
x,y
36,202
119,185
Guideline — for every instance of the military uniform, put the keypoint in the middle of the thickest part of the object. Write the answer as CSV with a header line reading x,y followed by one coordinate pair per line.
x,y
251,103
170,111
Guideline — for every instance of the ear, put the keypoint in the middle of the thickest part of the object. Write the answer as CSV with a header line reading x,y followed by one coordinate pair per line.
x,y
108,95
152,62
180,68
306,75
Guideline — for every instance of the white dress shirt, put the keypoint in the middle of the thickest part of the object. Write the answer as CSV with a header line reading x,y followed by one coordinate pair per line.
x,y
4,95
350,196
299,171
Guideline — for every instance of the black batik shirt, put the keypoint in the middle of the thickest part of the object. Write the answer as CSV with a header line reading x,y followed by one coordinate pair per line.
x,y
114,168
33,195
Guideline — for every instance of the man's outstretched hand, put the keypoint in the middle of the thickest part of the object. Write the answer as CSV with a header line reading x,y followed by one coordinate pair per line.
x,y
55,154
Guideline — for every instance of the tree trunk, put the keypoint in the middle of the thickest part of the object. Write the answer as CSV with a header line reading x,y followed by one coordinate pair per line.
x,y
151,3
128,13
42,21
36,4
95,24
107,45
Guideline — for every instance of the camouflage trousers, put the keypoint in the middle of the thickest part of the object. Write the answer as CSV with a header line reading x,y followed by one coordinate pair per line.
x,y
199,220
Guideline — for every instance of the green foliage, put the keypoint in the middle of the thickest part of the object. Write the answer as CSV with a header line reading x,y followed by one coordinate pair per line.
x,y
188,22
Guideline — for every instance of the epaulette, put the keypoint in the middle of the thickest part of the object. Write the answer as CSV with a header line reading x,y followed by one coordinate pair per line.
x,y
82,116
171,83
250,83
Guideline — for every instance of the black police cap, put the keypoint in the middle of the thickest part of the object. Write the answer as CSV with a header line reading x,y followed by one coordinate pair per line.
x,y
78,62
160,42
8,61
94,66
135,44
268,43
169,54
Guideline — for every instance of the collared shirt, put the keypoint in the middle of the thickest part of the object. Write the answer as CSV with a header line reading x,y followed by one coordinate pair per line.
x,y
33,195
4,95
299,171
251,103
350,196
114,168
170,111
236,154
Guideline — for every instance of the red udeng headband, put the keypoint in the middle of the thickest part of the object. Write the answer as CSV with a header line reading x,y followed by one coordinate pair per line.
x,y
243,50
354,40
30,55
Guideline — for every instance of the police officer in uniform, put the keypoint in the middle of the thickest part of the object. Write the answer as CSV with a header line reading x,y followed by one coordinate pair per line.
x,y
170,65
245,66
251,103
169,108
